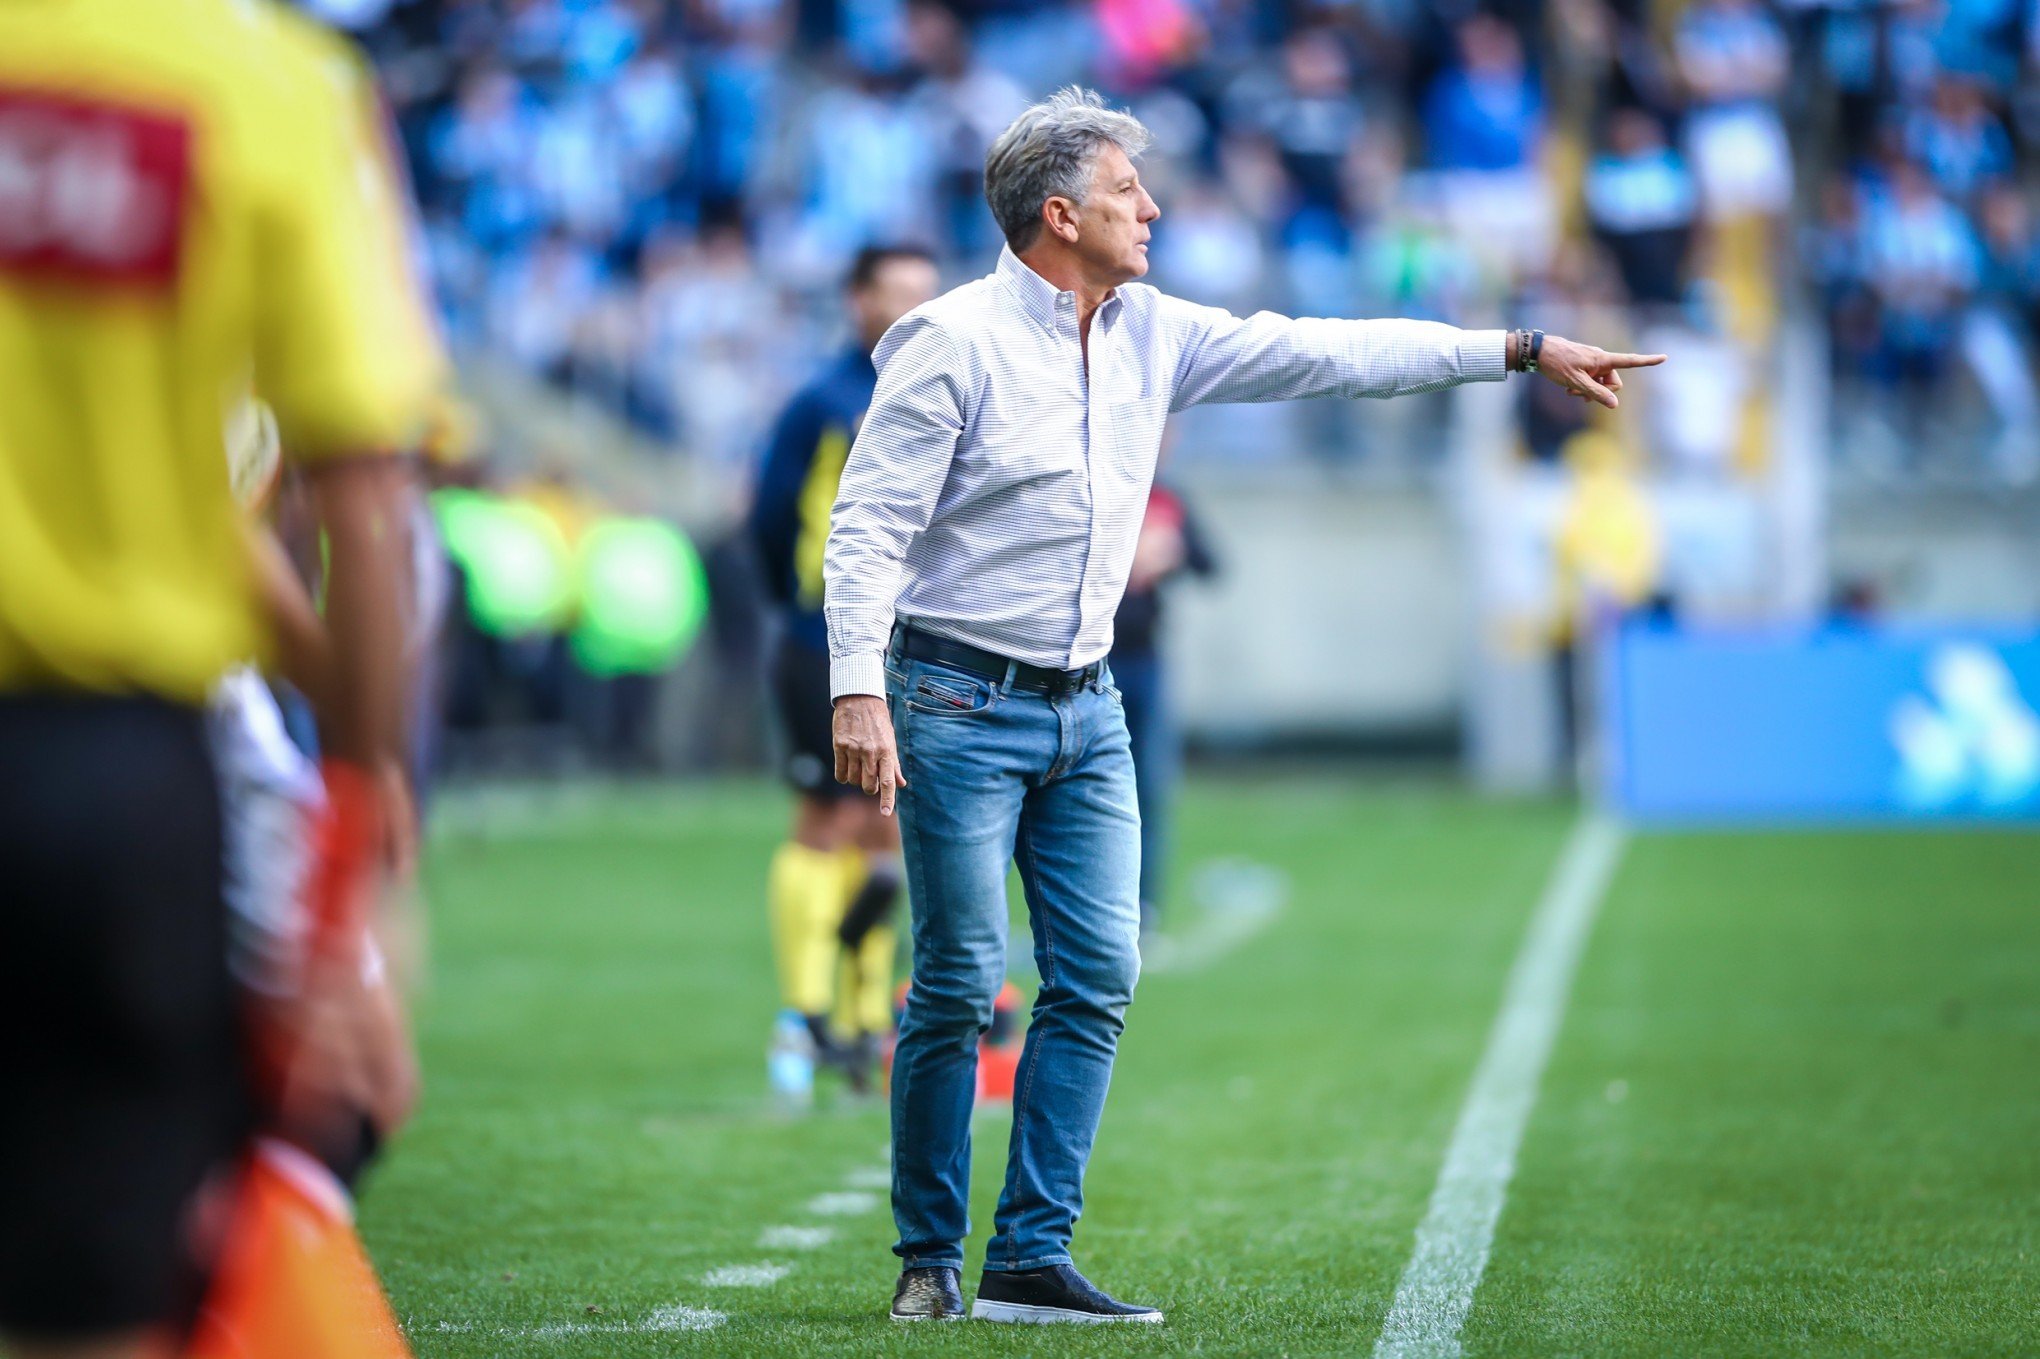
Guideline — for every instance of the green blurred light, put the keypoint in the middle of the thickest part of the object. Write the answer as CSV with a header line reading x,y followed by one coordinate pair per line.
x,y
643,597
518,564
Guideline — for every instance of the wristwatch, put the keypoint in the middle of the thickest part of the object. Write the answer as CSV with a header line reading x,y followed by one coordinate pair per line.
x,y
1529,347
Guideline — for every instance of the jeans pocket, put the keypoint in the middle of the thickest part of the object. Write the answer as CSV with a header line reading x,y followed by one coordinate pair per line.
x,y
944,695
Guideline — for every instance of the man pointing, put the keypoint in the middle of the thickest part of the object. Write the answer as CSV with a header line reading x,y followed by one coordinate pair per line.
x,y
978,549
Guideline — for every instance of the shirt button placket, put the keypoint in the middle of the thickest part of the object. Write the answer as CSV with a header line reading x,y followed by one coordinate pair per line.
x,y
1066,324
1093,601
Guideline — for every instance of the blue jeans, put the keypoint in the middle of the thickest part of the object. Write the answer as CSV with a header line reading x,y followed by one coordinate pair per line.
x,y
997,775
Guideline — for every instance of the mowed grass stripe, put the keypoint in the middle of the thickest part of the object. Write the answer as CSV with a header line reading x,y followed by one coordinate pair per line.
x,y
594,1136
1795,1109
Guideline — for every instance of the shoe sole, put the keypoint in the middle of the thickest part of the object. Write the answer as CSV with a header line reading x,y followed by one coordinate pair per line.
x,y
1026,1314
909,1317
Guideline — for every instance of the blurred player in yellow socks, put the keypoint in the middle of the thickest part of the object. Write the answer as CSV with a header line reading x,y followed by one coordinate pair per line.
x,y
235,233
869,947
834,884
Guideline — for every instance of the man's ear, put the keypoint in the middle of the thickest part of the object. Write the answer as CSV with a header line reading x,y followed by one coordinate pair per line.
x,y
1061,215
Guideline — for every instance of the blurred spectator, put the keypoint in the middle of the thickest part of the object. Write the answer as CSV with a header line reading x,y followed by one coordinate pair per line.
x,y
1609,555
960,104
652,105
477,159
1414,265
537,304
1958,139
2011,246
1309,115
870,168
1483,121
1997,333
652,200
1641,202
710,321
1921,266
1833,251
1734,60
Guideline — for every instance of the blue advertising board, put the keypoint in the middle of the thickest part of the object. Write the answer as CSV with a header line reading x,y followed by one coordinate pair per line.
x,y
1834,723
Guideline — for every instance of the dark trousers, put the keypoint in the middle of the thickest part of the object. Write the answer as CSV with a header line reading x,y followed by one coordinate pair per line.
x,y
120,1066
1157,765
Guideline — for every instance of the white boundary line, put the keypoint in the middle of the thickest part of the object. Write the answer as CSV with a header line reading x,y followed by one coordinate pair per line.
x,y
745,1276
677,1317
1437,1287
795,1238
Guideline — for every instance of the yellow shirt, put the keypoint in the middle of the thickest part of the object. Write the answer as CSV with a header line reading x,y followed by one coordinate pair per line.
x,y
190,209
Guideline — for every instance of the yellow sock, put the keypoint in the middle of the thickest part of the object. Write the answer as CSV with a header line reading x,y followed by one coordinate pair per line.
x,y
843,1023
805,894
851,872
864,994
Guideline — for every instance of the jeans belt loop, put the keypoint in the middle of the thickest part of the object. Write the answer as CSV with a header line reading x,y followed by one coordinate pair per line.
x,y
1006,682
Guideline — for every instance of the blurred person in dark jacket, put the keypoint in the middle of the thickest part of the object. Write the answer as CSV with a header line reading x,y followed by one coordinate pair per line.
x,y
836,879
1642,202
1170,544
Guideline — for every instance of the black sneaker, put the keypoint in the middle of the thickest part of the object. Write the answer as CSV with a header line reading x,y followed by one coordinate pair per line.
x,y
929,1293
1057,1293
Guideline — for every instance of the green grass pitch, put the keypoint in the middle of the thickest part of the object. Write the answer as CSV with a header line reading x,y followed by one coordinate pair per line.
x,y
1794,1107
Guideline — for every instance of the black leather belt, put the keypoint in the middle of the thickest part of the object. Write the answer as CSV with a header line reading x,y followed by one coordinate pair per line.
x,y
916,645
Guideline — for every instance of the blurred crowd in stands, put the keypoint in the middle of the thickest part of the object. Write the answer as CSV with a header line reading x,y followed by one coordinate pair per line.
x,y
652,200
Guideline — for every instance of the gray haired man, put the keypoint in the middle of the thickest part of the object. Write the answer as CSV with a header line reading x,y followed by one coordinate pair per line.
x,y
979,546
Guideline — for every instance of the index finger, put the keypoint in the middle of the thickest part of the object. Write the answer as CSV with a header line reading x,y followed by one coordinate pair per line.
x,y
887,773
1635,360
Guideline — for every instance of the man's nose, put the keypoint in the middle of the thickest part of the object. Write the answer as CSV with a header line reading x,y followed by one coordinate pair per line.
x,y
1150,209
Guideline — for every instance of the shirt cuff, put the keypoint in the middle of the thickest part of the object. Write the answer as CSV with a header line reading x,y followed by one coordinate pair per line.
x,y
863,673
1483,355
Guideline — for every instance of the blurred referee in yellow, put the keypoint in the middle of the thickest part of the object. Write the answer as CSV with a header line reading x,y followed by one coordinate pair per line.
x,y
188,210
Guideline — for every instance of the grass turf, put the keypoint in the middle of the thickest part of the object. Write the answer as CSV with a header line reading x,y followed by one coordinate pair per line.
x,y
1792,1109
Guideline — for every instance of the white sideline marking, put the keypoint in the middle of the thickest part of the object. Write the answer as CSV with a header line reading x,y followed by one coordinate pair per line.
x,y
677,1317
680,1317
871,1177
1240,899
745,1276
1437,1287
795,1238
843,1203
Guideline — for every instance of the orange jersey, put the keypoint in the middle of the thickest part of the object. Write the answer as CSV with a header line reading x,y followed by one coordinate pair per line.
x,y
192,206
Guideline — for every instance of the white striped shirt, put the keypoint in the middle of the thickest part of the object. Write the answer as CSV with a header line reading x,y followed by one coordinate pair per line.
x,y
996,489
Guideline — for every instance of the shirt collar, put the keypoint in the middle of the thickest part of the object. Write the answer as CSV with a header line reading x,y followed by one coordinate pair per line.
x,y
1039,297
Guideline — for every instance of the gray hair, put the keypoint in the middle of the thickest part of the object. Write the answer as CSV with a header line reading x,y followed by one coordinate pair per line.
x,y
1051,151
